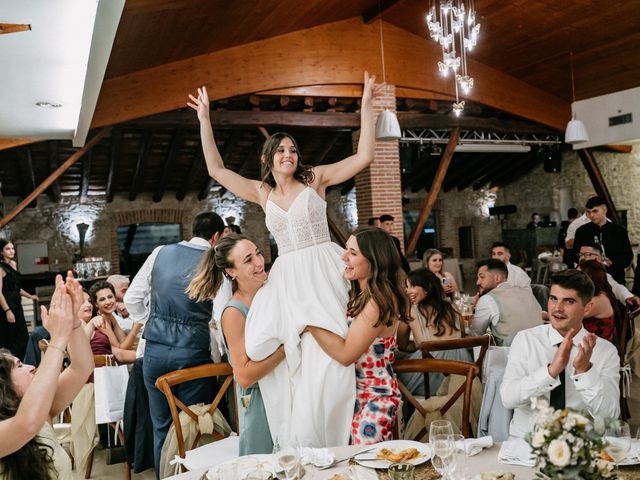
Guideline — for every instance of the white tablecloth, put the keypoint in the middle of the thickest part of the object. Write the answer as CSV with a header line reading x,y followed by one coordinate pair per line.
x,y
485,461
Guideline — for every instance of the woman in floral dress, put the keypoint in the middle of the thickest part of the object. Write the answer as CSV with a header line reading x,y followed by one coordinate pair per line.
x,y
376,305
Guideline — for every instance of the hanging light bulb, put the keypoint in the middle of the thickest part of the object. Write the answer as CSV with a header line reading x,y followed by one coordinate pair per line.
x,y
576,132
387,126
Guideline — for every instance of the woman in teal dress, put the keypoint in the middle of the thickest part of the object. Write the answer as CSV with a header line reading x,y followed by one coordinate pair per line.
x,y
238,259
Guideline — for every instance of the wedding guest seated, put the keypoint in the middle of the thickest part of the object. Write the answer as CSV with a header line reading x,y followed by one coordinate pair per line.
x,y
432,259
517,276
30,399
377,305
605,317
593,251
504,308
543,359
120,286
432,318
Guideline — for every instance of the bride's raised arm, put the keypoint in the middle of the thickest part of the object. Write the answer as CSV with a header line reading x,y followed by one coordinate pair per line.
x,y
240,186
327,175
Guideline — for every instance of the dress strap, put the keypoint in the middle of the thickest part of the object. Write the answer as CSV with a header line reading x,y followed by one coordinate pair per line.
x,y
237,304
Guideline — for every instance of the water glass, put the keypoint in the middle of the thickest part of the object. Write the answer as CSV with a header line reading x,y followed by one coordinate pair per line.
x,y
459,464
618,439
401,471
286,458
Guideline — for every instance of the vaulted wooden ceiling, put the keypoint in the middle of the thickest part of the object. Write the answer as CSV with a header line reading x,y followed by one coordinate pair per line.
x,y
160,155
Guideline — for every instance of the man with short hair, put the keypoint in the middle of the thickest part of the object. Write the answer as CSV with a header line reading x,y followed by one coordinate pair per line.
x,y
386,224
614,239
561,361
593,251
517,276
177,331
120,285
502,307
375,222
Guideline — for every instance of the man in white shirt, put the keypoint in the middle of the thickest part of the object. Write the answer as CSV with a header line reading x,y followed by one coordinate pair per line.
x,y
504,308
593,251
517,276
120,285
561,361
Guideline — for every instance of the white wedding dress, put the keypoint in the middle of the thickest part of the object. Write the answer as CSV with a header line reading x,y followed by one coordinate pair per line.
x,y
310,396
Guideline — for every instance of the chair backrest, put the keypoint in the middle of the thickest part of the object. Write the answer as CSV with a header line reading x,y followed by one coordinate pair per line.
x,y
481,341
177,377
448,367
541,292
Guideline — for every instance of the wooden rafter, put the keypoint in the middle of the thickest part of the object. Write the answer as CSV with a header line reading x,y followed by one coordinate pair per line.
x,y
430,200
116,138
147,138
169,164
487,164
26,168
196,162
497,166
85,177
462,168
14,27
56,194
378,9
326,148
55,175
598,182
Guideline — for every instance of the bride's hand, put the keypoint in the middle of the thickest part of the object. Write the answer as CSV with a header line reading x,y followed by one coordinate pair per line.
x,y
371,89
200,104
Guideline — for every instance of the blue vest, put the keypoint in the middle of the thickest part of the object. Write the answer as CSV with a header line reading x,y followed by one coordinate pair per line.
x,y
175,320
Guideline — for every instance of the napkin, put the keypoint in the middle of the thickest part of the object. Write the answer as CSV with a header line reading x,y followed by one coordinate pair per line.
x,y
363,473
474,446
316,456
516,452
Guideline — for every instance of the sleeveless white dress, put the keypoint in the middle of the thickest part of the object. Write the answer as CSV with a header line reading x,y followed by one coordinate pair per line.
x,y
310,396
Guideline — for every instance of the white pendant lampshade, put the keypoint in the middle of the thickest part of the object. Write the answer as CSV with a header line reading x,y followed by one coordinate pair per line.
x,y
387,126
576,132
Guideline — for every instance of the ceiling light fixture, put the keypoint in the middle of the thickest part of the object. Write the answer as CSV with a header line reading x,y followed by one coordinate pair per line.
x,y
456,31
576,131
48,105
387,126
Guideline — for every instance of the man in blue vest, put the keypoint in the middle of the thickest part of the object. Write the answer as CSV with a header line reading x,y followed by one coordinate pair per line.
x,y
177,329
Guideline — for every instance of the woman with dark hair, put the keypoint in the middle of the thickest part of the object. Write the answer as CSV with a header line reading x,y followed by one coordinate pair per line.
x,y
432,259
432,318
604,315
292,196
238,259
377,306
29,399
13,327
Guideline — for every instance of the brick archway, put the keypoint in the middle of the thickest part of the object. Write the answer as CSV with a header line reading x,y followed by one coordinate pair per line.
x,y
165,215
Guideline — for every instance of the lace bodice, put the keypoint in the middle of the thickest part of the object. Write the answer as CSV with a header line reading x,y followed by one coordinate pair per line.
x,y
302,226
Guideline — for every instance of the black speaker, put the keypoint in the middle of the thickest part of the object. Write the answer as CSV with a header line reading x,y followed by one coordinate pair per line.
x,y
503,210
553,161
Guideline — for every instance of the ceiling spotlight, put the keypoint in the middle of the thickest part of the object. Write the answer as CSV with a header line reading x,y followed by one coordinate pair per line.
x,y
48,105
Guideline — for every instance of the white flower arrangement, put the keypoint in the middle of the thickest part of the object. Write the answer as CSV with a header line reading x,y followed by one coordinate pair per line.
x,y
568,445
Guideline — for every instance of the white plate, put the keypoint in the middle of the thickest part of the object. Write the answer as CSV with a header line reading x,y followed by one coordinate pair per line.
x,y
397,445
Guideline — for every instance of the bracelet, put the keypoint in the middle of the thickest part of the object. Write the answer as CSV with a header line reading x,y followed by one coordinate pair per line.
x,y
64,351
7,310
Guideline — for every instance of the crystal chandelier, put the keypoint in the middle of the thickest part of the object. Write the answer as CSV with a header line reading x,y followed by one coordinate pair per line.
x,y
454,27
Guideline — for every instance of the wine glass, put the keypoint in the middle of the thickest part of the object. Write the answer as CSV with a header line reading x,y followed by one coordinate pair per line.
x,y
286,458
618,440
440,432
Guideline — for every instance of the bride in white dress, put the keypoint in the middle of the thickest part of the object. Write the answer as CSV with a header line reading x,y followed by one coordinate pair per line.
x,y
310,397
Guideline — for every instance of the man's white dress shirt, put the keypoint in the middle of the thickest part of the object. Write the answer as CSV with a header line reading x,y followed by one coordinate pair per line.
x,y
619,291
517,276
575,225
527,376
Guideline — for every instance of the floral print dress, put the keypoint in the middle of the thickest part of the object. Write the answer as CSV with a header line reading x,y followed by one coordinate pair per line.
x,y
377,394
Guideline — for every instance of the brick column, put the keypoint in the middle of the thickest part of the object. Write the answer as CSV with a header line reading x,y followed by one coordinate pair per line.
x,y
378,188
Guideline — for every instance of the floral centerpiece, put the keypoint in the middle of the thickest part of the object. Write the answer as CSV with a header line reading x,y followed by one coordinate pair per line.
x,y
568,445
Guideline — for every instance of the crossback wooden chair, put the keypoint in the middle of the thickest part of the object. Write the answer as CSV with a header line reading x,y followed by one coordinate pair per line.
x,y
171,379
449,367
627,332
431,346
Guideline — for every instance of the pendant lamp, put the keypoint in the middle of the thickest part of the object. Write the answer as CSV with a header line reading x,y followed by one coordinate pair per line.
x,y
576,132
387,126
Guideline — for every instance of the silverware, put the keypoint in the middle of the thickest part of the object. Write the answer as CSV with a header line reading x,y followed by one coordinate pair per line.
x,y
342,459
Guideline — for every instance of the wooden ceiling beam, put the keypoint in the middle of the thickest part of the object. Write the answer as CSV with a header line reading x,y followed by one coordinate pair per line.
x,y
85,177
499,168
463,167
56,194
145,146
330,54
116,138
432,196
7,143
55,175
169,164
227,149
14,27
487,163
196,162
510,177
26,169
378,9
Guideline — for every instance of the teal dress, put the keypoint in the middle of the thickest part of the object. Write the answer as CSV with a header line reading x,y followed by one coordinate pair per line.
x,y
255,436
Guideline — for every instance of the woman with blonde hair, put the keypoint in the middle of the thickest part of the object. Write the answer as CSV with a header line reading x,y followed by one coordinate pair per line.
x,y
238,259
432,259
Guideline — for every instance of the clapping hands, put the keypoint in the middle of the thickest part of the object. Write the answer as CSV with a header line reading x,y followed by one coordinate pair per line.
x,y
59,319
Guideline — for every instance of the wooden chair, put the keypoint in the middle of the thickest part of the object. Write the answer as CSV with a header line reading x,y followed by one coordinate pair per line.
x,y
427,348
171,379
449,367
